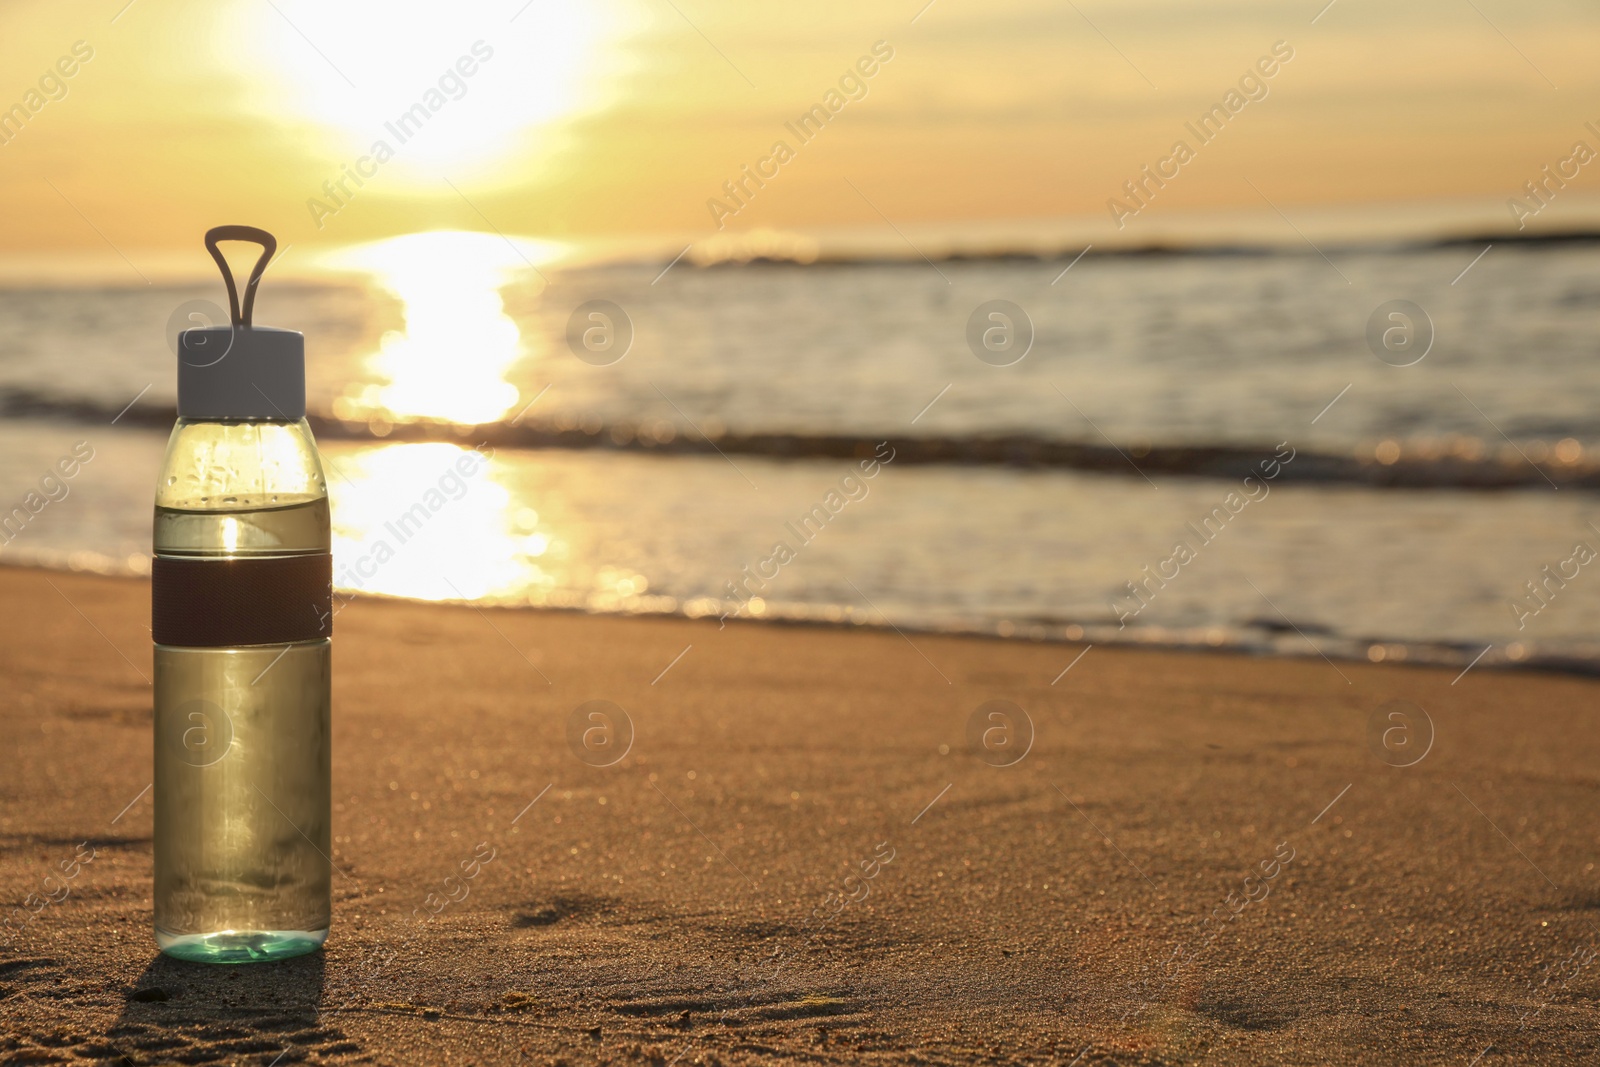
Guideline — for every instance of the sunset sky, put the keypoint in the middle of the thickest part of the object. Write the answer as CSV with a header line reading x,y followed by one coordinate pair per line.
x,y
621,119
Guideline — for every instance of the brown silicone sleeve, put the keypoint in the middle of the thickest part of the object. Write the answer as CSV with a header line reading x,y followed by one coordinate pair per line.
x,y
241,600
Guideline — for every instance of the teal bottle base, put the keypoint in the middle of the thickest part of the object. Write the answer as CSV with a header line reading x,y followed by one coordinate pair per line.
x,y
240,946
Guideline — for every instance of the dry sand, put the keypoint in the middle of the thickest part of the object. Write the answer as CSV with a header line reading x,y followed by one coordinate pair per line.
x,y
660,910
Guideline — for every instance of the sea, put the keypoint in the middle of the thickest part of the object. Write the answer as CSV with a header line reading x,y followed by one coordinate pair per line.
x,y
1376,453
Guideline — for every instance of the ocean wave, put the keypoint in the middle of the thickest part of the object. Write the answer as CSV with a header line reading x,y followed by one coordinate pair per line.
x,y
759,248
1455,463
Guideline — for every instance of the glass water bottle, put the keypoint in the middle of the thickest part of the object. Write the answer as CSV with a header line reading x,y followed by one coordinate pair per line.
x,y
241,619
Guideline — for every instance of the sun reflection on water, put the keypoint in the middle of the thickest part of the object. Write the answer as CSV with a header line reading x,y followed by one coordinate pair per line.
x,y
431,522
441,521
451,360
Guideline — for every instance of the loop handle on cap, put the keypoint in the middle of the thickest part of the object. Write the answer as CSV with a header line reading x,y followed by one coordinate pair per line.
x,y
269,245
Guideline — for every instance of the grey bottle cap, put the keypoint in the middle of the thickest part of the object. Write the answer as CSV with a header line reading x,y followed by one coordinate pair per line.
x,y
241,371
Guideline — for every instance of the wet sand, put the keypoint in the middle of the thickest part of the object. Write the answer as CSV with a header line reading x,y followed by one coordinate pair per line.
x,y
802,858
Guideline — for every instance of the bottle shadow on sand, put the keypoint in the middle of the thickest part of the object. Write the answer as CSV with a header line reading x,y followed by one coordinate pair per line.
x,y
196,1012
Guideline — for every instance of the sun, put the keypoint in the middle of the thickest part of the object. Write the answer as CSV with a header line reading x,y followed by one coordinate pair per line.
x,y
452,89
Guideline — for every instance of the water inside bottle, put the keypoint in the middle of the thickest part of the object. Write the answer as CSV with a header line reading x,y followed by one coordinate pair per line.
x,y
242,761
